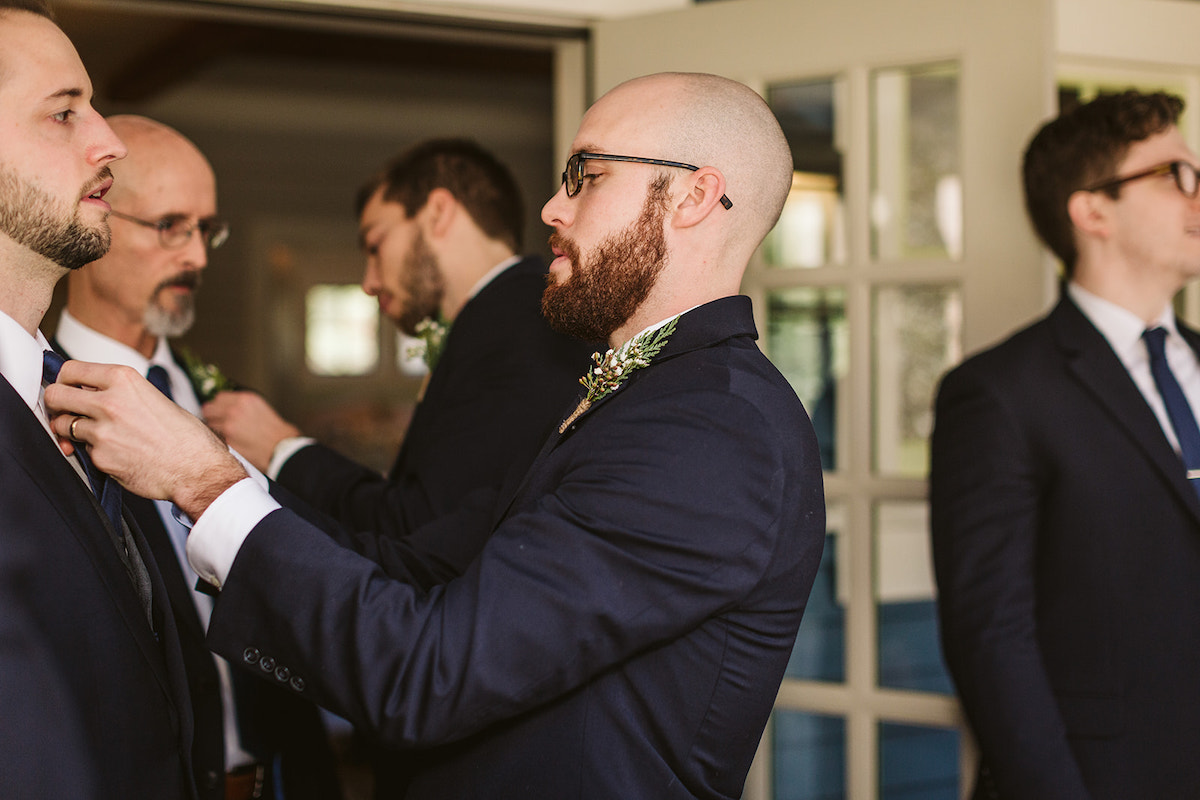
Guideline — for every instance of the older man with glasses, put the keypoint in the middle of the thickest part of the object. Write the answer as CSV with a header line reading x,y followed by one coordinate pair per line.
x,y
1065,473
164,223
251,739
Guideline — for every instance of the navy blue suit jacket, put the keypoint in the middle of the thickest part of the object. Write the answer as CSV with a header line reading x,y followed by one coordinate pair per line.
x,y
281,731
1067,552
125,684
42,749
500,383
626,627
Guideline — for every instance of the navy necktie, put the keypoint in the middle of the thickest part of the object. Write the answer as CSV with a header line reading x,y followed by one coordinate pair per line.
x,y
1180,413
157,375
107,490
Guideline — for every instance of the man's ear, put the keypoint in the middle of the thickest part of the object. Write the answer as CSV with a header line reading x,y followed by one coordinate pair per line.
x,y
705,188
1089,212
439,212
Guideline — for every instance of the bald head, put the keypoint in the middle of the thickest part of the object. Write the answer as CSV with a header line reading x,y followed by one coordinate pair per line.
x,y
659,237
144,288
158,155
708,120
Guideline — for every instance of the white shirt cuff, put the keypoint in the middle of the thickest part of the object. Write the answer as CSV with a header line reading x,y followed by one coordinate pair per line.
x,y
285,450
251,470
218,534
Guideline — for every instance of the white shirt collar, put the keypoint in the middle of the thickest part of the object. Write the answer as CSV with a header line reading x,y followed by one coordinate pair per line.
x,y
492,274
86,344
655,326
21,360
1121,327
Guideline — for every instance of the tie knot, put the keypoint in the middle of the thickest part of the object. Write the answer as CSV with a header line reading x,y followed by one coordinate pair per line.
x,y
51,363
1156,340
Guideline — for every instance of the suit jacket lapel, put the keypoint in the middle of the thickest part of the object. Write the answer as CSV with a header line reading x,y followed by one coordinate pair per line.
x,y
22,435
158,539
1102,375
703,326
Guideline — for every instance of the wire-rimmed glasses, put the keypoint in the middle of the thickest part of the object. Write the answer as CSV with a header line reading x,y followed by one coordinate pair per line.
x,y
175,231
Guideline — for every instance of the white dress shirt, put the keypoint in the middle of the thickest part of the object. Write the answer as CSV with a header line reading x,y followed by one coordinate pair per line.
x,y
1123,329
85,344
21,366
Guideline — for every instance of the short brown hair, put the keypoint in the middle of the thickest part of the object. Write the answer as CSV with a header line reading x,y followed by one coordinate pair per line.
x,y
1081,148
484,186
38,7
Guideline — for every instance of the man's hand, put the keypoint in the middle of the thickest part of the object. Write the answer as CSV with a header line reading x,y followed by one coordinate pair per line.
x,y
135,434
249,425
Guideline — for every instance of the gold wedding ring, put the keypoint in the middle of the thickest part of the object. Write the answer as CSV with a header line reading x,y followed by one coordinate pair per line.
x,y
71,430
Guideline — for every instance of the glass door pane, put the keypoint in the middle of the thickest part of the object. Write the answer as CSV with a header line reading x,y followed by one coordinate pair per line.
x,y
916,181
811,231
917,335
917,762
809,756
910,655
807,341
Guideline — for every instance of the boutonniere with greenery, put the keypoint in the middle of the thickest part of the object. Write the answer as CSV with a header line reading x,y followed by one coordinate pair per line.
x,y
615,366
432,333
207,379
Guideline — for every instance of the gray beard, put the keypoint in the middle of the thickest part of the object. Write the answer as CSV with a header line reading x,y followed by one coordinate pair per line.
x,y
165,324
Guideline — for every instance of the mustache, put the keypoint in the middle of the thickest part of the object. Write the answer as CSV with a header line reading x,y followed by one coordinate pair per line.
x,y
102,175
187,280
566,246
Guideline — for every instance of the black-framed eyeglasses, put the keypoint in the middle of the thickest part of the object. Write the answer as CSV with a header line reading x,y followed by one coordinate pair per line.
x,y
573,176
1185,176
175,231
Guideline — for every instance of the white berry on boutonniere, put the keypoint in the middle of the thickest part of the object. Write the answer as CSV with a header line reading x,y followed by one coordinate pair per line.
x,y
432,333
207,379
615,366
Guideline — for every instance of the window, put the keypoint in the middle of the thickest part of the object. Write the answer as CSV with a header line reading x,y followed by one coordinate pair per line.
x,y
341,331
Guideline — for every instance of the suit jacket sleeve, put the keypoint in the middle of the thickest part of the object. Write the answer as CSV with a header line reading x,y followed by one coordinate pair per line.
x,y
430,555
634,546
358,497
985,496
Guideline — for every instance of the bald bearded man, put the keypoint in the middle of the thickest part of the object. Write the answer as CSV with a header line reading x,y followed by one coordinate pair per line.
x,y
625,628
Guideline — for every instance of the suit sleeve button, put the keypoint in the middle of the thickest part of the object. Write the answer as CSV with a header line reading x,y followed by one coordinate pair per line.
x,y
250,655
297,683
282,674
266,664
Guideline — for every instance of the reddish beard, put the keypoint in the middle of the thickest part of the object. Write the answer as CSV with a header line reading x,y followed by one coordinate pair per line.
x,y
602,295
